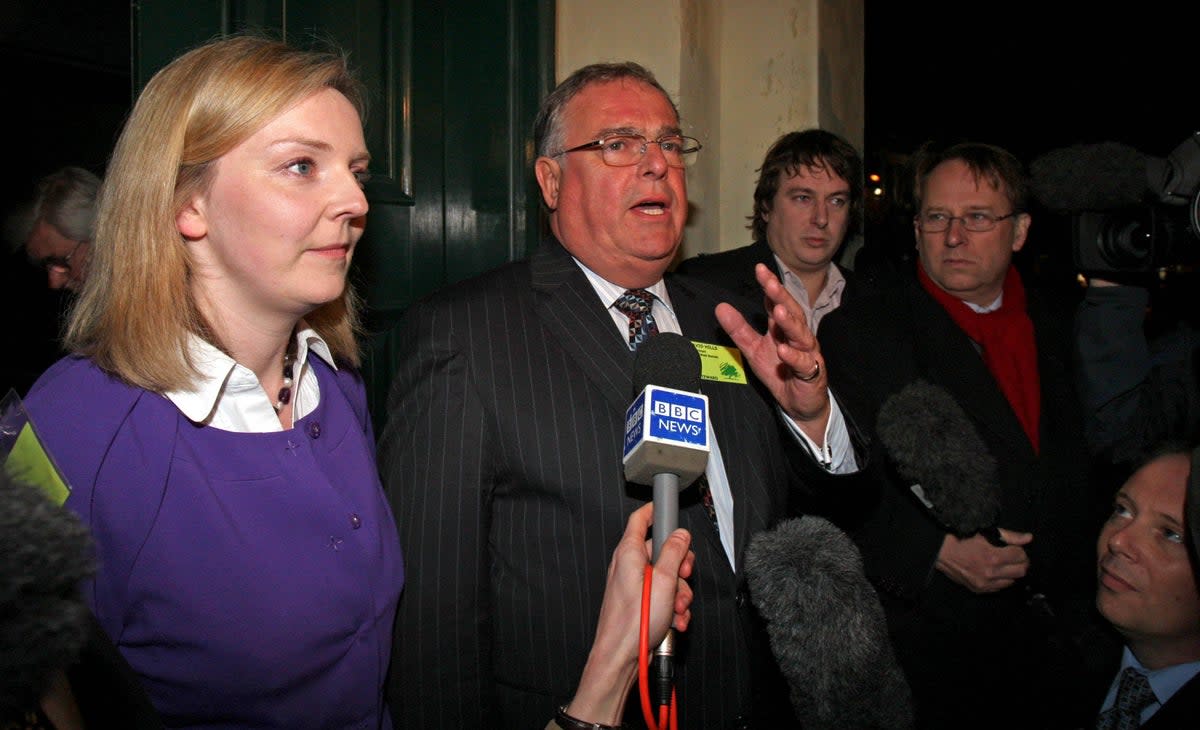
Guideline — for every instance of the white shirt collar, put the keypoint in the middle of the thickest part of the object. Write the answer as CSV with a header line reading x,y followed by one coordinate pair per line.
x,y
610,292
228,395
828,299
999,301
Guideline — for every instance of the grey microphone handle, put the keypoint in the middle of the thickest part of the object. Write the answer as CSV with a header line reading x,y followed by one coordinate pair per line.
x,y
666,510
666,519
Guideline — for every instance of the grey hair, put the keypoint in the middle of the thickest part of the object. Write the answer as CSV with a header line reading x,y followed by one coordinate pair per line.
x,y
66,199
547,125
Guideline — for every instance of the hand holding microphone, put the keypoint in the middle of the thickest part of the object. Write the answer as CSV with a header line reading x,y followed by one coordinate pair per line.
x,y
985,564
612,662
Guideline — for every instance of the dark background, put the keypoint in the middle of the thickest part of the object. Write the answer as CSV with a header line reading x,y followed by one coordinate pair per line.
x,y
1016,77
67,85
1031,77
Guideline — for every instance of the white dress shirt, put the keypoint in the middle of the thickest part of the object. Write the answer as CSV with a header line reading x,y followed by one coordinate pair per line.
x,y
228,396
828,299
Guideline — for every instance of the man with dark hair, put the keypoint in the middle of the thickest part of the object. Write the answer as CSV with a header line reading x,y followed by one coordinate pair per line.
x,y
965,612
807,203
1147,592
502,449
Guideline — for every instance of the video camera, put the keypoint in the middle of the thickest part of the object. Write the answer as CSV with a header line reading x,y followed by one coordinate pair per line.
x,y
1132,215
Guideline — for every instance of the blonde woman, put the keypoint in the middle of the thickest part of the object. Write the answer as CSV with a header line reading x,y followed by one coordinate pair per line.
x,y
211,422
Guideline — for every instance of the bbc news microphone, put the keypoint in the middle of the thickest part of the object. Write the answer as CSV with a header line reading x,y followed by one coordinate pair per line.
x,y
667,446
666,426
827,628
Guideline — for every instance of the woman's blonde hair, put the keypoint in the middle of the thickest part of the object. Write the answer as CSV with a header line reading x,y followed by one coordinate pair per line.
x,y
136,310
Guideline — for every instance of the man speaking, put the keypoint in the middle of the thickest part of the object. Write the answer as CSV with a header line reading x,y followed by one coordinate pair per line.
x,y
502,451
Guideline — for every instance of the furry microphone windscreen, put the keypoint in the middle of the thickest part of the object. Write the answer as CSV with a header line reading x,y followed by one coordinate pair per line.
x,y
933,443
1089,177
47,553
827,628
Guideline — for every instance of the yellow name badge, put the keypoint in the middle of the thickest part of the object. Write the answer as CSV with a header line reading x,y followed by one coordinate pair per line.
x,y
720,363
29,463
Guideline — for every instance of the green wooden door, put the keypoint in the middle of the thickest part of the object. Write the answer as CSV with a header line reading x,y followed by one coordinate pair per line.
x,y
454,88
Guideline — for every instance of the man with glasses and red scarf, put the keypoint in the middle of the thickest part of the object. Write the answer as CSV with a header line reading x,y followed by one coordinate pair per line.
x,y
975,648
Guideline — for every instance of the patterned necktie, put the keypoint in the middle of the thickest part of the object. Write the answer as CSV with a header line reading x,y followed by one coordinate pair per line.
x,y
636,305
1133,695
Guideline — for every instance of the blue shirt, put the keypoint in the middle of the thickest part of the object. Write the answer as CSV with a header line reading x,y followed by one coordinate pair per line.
x,y
1164,682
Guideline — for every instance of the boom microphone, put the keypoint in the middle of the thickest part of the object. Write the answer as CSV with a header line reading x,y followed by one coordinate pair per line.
x,y
937,448
43,618
1092,177
827,628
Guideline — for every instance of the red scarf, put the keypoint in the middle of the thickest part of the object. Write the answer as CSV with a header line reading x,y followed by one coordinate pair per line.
x,y
1006,338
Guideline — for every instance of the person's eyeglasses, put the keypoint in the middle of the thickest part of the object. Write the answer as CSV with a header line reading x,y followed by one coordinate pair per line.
x,y
622,150
61,264
977,222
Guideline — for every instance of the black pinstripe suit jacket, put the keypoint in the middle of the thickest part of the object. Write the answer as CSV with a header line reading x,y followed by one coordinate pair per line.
x,y
502,459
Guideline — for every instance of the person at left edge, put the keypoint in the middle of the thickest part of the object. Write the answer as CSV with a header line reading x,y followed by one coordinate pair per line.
x,y
211,422
55,228
502,451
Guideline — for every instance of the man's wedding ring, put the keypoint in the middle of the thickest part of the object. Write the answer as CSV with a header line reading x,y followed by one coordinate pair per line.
x,y
816,373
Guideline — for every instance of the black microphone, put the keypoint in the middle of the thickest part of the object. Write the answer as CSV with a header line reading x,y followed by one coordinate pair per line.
x,y
1108,175
935,446
827,628
47,553
1091,177
667,445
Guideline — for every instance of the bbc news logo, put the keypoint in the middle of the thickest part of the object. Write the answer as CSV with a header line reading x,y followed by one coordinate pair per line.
x,y
678,416
678,411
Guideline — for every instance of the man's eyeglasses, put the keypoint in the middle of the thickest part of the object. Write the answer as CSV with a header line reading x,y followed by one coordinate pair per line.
x,y
622,150
977,222
61,264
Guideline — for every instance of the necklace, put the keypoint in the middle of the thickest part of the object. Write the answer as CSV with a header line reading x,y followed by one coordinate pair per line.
x,y
285,393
